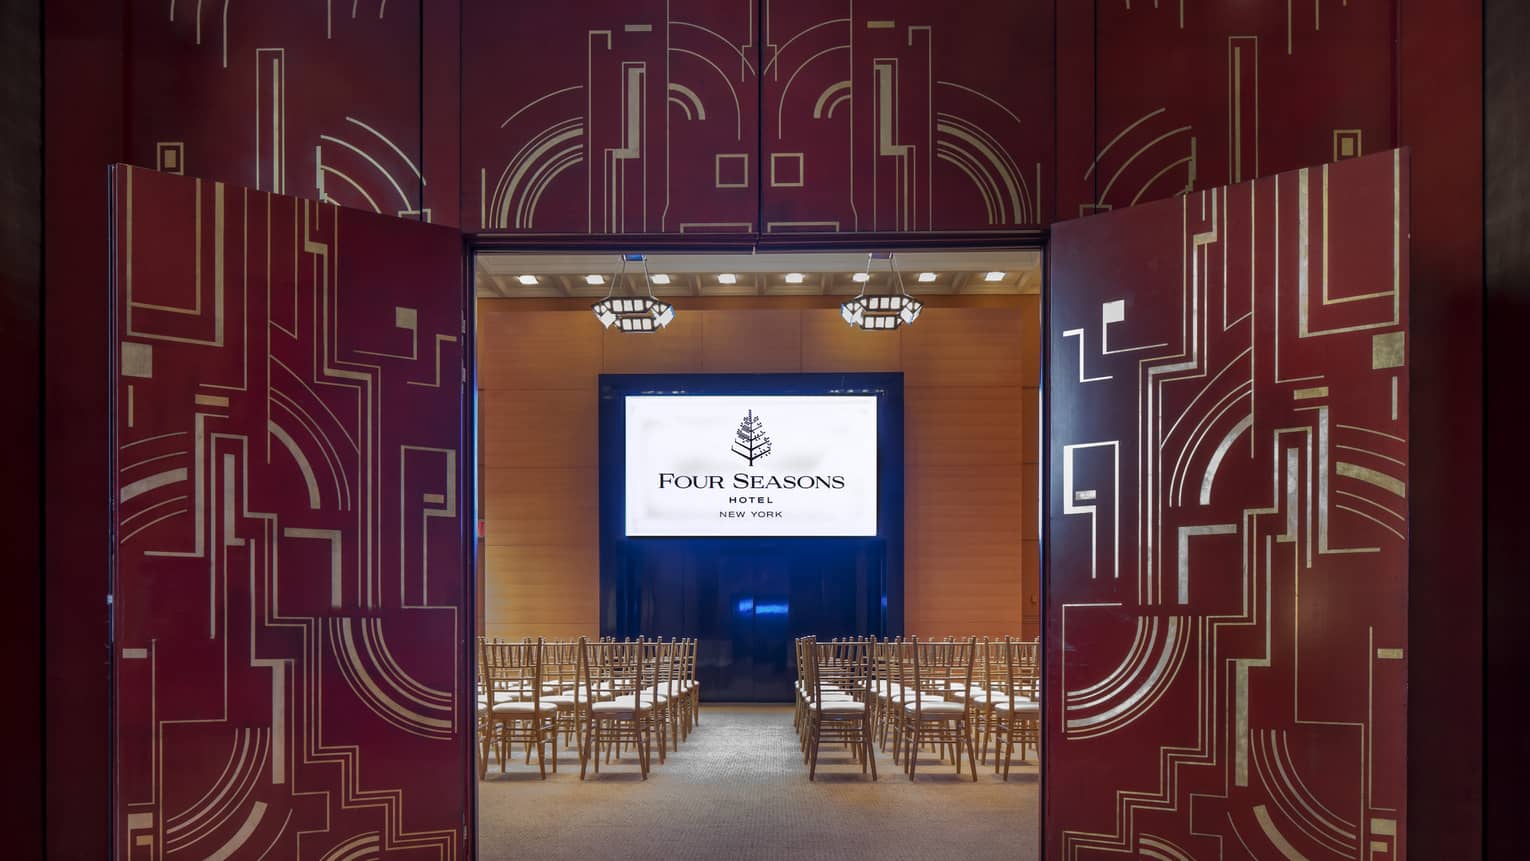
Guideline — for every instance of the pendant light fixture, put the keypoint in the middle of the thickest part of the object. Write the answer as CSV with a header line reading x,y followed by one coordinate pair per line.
x,y
637,314
881,313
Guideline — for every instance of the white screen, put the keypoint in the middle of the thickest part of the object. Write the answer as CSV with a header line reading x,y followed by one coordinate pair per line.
x,y
689,472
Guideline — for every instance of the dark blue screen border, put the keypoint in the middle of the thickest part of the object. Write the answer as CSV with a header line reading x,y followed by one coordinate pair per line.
x,y
620,612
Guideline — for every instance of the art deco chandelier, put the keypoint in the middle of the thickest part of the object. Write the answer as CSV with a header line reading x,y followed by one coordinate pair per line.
x,y
881,312
636,314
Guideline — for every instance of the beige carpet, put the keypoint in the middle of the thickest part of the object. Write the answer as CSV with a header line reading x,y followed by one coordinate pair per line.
x,y
737,791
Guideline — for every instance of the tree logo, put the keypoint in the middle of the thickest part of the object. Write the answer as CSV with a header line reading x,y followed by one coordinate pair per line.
x,y
750,441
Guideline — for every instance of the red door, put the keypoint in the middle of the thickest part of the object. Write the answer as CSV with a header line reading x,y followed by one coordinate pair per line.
x,y
1227,522
289,605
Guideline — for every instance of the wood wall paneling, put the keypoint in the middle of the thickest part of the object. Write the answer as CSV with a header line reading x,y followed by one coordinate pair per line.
x,y
540,506
538,427
964,347
751,341
830,345
970,492
675,350
963,426
536,349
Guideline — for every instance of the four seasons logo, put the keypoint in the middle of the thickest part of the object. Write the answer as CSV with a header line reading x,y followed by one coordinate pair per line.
x,y
750,441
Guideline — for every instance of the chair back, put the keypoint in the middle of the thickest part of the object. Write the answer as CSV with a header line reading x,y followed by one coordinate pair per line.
x,y
512,672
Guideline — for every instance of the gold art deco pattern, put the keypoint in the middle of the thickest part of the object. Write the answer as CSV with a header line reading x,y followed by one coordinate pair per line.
x,y
288,593
1228,519
325,100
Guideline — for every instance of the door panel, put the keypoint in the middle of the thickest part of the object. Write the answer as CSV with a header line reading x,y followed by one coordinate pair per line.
x,y
1227,522
289,603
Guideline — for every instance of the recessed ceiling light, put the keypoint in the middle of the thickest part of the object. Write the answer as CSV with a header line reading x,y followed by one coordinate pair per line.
x,y
727,278
660,279
795,277
527,280
994,276
926,277
594,280
861,277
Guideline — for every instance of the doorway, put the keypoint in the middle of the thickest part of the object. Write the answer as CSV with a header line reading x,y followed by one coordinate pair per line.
x,y
969,371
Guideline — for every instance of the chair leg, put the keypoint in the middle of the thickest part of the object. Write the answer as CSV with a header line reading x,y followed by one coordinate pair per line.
x,y
866,744
537,732
643,757
913,751
971,757
483,754
815,728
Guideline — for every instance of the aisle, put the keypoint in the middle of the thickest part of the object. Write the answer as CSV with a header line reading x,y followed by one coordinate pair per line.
x,y
738,791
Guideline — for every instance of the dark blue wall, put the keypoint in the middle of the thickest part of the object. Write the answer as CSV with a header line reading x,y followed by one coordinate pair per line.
x,y
745,599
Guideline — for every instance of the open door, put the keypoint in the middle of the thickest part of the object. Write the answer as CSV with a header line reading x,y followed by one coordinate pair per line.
x,y
289,604
1227,577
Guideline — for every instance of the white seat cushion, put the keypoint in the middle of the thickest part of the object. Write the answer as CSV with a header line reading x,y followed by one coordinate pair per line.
x,y
525,707
614,708
1022,707
647,700
936,711
845,707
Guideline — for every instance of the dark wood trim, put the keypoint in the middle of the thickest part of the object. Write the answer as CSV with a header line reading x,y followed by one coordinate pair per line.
x,y
1440,119
1506,752
83,103
21,296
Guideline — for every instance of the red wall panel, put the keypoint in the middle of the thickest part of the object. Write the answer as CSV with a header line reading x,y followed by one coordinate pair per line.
x,y
289,602
1192,95
609,118
902,116
1227,639
83,133
1440,101
319,100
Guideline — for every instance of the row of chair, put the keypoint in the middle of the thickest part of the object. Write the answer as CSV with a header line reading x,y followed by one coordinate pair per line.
x,y
599,696
957,697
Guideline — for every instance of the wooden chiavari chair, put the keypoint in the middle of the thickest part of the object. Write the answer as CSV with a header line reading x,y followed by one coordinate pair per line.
x,y
933,719
563,687
1017,712
691,687
656,671
615,672
841,701
514,710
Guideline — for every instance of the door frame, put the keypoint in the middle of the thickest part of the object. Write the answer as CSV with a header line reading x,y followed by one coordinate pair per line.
x,y
475,244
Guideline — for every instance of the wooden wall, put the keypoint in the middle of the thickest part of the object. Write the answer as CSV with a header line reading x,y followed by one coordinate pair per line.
x,y
971,377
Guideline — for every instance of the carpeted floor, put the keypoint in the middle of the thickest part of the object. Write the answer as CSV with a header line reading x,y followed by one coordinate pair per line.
x,y
738,791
